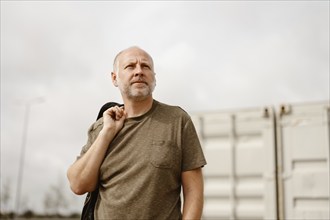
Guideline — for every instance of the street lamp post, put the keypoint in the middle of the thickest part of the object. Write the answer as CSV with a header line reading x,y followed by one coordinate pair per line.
x,y
28,105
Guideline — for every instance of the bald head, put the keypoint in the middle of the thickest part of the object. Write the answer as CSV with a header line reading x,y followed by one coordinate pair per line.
x,y
130,49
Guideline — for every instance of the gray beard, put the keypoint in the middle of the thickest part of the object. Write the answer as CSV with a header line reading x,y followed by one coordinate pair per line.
x,y
140,95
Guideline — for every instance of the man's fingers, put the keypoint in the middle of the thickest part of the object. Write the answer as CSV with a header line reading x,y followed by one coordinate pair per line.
x,y
110,112
115,112
119,113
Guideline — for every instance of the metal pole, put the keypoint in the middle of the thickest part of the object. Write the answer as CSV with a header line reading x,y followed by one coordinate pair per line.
x,y
22,155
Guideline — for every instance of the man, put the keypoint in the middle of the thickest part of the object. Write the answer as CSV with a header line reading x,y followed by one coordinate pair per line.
x,y
140,155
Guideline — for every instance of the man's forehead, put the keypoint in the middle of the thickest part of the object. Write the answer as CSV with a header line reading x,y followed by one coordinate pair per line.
x,y
134,55
134,60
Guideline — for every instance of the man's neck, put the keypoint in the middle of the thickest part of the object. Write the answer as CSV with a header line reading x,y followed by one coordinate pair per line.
x,y
137,108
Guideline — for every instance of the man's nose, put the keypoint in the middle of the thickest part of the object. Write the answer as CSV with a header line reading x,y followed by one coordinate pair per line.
x,y
138,71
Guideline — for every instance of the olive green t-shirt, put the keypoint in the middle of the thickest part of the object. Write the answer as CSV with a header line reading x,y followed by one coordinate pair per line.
x,y
140,177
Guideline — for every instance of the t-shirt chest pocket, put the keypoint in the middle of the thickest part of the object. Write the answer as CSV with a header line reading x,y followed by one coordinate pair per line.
x,y
164,154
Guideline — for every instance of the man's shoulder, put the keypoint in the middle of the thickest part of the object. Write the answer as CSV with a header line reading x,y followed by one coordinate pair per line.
x,y
172,109
96,126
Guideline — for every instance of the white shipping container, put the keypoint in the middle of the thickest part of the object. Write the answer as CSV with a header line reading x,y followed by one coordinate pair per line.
x,y
240,177
304,155
264,164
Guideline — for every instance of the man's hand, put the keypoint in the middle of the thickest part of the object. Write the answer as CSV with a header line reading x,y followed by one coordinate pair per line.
x,y
113,118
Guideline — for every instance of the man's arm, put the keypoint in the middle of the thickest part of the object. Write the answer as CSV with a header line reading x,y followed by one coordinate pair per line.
x,y
193,194
83,174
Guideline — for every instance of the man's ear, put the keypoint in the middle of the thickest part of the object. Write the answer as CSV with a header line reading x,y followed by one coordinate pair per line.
x,y
114,79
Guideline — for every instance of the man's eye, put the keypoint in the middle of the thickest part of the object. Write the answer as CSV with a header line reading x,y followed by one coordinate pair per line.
x,y
129,66
145,66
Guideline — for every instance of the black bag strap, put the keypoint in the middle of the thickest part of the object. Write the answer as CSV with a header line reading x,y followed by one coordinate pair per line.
x,y
91,198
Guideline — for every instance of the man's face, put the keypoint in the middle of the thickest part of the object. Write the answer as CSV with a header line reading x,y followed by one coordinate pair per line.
x,y
135,75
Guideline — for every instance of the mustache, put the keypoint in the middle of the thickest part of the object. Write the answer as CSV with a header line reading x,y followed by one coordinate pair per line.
x,y
139,80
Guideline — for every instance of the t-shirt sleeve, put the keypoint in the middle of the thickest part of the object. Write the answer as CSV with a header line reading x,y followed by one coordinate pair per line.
x,y
192,153
92,134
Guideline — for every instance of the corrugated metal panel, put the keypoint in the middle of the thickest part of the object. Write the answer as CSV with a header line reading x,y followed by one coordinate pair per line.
x,y
240,175
304,153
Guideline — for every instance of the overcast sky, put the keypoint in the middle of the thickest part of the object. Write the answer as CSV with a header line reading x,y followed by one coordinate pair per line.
x,y
213,55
